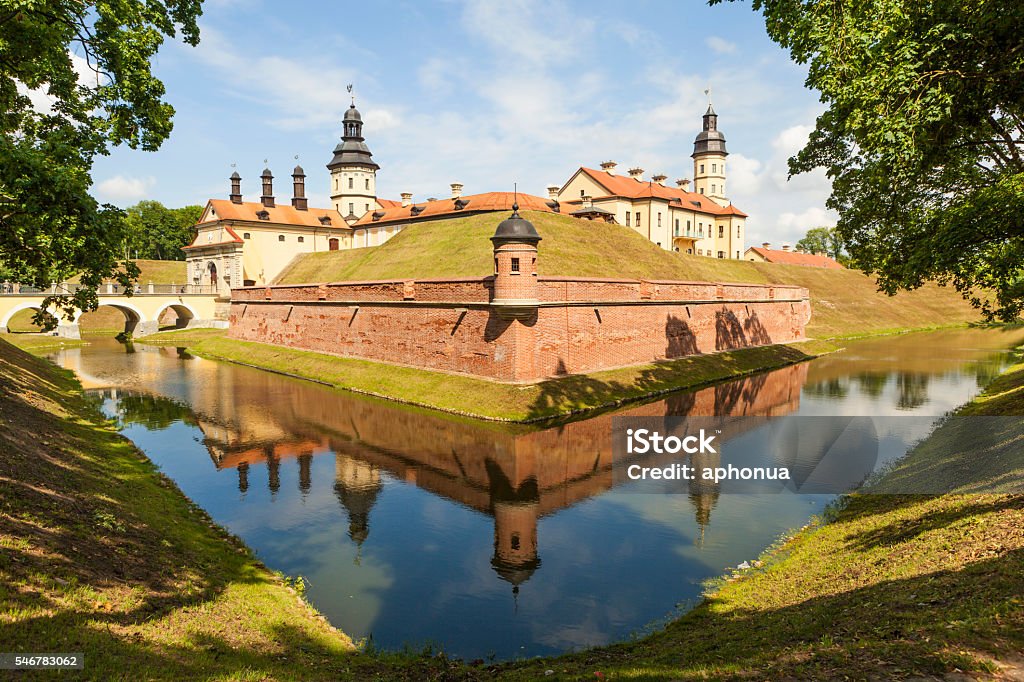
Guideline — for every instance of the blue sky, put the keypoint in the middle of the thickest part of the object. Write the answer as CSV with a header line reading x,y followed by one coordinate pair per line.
x,y
482,92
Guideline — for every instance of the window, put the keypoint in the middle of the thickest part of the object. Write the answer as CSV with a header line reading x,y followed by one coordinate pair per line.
x,y
713,188
367,208
721,230
737,232
583,193
515,265
335,183
714,168
332,244
367,183
638,218
495,266
659,243
302,239
659,219
689,251
702,168
700,252
351,209
702,190
687,227
737,255
246,235
515,541
627,218
700,229
280,237
677,227
350,183
721,254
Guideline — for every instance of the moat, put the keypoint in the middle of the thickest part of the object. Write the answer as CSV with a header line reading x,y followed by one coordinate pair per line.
x,y
412,527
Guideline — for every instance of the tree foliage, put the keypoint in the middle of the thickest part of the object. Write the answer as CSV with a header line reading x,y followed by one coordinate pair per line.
x,y
157,232
923,137
87,65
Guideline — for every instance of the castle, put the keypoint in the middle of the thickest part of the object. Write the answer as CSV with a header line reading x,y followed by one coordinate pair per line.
x,y
241,243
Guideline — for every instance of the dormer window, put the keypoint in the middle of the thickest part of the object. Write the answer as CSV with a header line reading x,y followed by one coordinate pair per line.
x,y
263,215
325,220
416,210
377,215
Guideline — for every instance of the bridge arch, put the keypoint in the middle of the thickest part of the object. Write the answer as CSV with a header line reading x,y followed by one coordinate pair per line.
x,y
14,311
132,315
184,312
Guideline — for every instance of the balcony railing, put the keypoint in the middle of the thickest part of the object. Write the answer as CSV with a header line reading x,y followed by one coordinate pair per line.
x,y
109,289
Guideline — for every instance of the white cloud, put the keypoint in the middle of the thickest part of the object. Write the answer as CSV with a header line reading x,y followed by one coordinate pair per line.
x,y
814,216
300,94
120,189
720,45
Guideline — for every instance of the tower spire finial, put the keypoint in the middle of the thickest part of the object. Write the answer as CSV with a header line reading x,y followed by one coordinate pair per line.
x,y
515,199
349,88
707,92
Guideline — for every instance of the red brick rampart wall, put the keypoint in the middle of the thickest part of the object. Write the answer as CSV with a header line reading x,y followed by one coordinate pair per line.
x,y
581,325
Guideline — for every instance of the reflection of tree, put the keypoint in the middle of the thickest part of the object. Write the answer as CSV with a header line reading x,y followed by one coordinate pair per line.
x,y
985,371
152,412
913,390
833,388
703,493
872,384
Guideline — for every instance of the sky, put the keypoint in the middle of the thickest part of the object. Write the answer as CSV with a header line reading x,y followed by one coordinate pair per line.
x,y
483,92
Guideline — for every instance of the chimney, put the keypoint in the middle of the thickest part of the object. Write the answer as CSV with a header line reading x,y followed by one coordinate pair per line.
x,y
766,245
456,190
609,167
785,247
268,188
406,199
299,189
553,192
636,173
683,184
660,179
236,188
588,201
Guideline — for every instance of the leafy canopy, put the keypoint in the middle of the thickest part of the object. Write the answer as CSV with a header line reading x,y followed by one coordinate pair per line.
x,y
86,63
157,232
923,137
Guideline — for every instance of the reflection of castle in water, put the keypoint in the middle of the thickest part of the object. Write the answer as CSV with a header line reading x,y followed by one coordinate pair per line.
x,y
514,475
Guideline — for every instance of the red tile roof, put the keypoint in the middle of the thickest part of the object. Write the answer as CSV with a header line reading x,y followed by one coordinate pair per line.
x,y
389,203
631,188
472,203
809,260
280,214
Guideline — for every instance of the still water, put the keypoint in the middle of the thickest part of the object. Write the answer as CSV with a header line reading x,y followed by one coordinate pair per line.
x,y
415,528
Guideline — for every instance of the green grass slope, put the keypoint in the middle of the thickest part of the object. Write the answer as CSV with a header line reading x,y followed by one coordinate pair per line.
x,y
845,302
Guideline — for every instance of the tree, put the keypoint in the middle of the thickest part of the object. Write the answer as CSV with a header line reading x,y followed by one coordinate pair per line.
x,y
822,240
50,227
923,137
155,231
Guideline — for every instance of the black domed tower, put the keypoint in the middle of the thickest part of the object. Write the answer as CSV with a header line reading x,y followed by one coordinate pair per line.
x,y
709,159
353,170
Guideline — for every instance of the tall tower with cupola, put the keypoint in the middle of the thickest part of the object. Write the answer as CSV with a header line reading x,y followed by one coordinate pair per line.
x,y
709,160
353,170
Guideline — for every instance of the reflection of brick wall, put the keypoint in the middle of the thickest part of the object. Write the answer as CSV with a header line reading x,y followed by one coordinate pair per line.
x,y
582,325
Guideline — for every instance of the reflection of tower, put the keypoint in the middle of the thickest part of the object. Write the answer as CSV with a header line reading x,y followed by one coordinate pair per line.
x,y
703,493
515,526
273,471
305,462
357,484
243,477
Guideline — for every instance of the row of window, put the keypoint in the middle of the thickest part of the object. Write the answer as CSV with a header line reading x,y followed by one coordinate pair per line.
x,y
714,168
351,183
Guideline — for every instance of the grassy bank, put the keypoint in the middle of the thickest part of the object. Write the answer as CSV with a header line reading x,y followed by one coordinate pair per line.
x,y
844,302
487,399
101,554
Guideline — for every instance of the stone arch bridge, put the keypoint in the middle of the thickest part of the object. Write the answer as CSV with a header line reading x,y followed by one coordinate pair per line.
x,y
142,310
